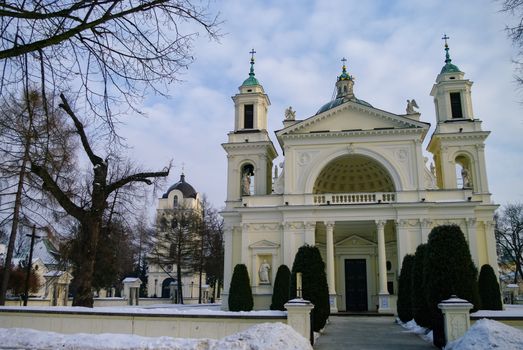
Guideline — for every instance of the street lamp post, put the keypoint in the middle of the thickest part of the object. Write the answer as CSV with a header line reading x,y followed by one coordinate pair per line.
x,y
29,263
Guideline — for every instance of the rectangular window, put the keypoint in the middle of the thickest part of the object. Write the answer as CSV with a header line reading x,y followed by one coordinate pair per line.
x,y
248,117
455,105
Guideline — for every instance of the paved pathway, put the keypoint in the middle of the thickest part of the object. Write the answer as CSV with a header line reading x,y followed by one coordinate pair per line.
x,y
368,333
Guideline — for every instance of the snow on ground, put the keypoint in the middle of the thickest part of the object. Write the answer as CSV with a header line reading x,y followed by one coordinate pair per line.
x,y
510,311
488,334
265,336
413,327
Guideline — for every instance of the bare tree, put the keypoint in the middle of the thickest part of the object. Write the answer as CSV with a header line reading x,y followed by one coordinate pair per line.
x,y
177,244
28,130
515,32
90,211
509,238
109,51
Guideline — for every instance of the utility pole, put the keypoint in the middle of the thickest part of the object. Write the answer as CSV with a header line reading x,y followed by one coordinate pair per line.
x,y
29,263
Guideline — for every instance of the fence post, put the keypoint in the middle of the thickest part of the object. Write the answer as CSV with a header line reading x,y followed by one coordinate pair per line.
x,y
298,316
456,317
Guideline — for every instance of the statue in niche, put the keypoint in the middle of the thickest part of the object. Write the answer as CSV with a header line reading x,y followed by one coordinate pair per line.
x,y
263,272
411,104
246,183
433,169
465,175
290,114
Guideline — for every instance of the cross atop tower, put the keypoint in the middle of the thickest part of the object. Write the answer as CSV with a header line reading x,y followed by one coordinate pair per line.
x,y
252,52
343,60
445,37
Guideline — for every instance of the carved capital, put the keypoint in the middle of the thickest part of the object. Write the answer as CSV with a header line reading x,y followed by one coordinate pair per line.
x,y
310,225
380,224
329,224
471,222
426,223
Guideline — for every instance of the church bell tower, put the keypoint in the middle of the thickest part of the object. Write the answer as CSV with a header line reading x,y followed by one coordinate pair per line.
x,y
458,143
250,151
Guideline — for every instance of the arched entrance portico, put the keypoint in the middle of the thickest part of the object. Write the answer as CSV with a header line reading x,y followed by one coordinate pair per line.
x,y
359,253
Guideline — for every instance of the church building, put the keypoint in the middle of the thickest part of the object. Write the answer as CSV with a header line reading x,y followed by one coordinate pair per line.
x,y
355,183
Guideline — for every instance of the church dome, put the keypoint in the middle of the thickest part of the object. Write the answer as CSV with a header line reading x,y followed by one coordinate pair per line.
x,y
338,101
344,91
187,190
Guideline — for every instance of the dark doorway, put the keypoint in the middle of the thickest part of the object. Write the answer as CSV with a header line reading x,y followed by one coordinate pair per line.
x,y
356,284
166,287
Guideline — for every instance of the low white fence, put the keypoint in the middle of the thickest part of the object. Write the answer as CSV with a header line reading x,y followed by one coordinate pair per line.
x,y
142,323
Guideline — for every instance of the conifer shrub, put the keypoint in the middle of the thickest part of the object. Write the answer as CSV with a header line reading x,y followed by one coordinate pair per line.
x,y
240,293
281,291
308,261
448,271
488,286
404,303
420,310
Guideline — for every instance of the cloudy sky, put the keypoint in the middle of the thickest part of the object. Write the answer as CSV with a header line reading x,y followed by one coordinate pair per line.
x,y
394,50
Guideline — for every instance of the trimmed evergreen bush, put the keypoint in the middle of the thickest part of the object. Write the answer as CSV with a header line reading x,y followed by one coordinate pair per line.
x,y
404,303
240,293
281,291
449,270
488,286
420,310
308,261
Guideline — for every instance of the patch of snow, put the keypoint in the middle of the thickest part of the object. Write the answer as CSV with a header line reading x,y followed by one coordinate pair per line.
x,y
510,311
265,336
412,327
159,309
489,334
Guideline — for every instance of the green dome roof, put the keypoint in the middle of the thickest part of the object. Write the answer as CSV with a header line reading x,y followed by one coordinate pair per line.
x,y
339,101
251,80
448,67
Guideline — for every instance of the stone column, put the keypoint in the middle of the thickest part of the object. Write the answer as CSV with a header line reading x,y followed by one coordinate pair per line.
x,y
426,226
491,244
227,262
382,268
331,280
472,239
310,231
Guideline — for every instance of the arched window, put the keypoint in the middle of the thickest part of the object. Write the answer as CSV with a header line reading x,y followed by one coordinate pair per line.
x,y
175,201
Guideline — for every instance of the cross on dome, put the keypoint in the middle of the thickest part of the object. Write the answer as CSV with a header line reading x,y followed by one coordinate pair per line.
x,y
251,80
448,67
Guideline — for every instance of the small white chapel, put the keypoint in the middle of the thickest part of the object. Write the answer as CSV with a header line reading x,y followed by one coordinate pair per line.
x,y
355,183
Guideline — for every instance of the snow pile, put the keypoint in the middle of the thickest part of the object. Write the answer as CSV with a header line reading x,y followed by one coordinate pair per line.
x,y
489,334
265,336
413,327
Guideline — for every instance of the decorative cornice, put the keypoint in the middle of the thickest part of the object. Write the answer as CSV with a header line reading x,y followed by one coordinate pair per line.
x,y
372,132
357,107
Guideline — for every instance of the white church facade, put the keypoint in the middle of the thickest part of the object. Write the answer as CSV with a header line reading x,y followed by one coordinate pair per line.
x,y
355,183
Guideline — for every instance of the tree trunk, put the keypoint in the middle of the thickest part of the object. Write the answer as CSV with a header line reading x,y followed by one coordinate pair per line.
x,y
16,217
85,269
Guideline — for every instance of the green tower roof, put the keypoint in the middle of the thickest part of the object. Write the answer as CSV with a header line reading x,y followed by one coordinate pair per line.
x,y
448,67
251,80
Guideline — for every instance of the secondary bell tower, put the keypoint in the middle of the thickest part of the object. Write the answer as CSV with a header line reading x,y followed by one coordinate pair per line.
x,y
458,143
250,151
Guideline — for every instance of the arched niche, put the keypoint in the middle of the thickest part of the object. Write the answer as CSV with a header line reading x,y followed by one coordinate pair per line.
x,y
247,179
464,171
353,173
